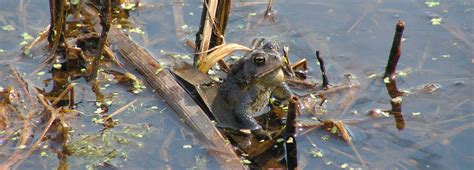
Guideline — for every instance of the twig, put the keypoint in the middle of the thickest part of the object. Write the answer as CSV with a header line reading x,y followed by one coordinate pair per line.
x,y
63,93
24,85
120,110
323,71
395,52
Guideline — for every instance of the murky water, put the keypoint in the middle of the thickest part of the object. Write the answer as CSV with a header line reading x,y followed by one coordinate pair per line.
x,y
353,36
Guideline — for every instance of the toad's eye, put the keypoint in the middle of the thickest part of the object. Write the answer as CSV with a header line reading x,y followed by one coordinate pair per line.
x,y
259,59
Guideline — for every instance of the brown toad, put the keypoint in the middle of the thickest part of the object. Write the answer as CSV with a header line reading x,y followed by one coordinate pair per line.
x,y
251,82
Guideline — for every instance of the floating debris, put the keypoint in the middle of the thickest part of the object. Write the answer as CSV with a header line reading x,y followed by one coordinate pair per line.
x,y
397,99
436,21
344,165
57,65
325,137
246,161
431,4
41,73
317,154
8,28
137,30
246,131
371,76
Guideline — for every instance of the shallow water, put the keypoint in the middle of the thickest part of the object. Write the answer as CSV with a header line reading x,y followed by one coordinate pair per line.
x,y
353,36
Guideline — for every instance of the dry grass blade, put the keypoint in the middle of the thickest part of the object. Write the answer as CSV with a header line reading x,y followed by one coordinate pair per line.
x,y
218,54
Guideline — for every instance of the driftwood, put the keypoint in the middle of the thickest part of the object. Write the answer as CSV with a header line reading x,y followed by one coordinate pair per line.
x,y
166,86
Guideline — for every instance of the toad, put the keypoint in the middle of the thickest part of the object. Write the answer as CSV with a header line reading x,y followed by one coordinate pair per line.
x,y
250,83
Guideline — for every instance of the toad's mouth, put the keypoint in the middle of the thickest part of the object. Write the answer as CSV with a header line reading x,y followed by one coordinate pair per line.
x,y
266,72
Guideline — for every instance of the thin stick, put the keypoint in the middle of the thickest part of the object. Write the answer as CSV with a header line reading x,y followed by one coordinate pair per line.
x,y
63,93
24,85
323,70
105,19
120,110
395,52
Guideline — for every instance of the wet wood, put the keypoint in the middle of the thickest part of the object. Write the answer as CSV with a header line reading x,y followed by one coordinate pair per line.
x,y
395,51
323,70
165,85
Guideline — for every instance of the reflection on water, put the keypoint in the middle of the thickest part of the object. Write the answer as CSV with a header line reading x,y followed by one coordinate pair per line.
x,y
354,35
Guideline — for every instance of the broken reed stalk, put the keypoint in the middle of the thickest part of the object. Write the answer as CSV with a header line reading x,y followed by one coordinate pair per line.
x,y
214,17
390,69
269,8
290,134
395,51
222,16
396,110
58,15
105,19
203,36
323,70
